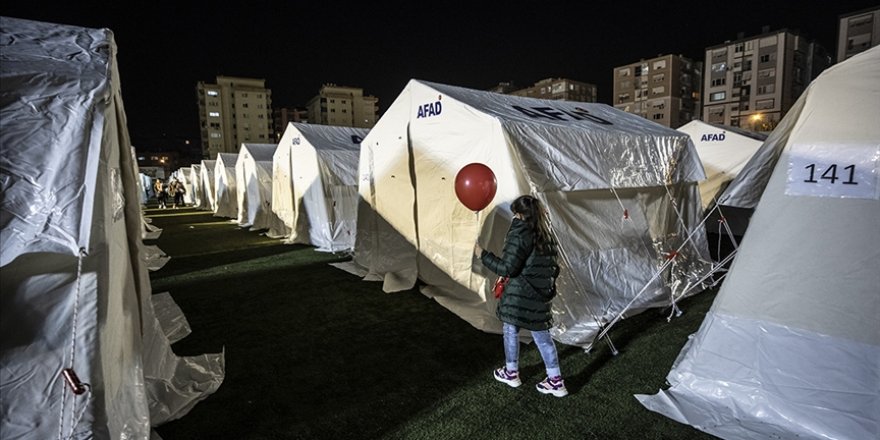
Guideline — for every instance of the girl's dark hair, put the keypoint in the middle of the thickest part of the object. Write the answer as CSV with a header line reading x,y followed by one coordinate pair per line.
x,y
535,217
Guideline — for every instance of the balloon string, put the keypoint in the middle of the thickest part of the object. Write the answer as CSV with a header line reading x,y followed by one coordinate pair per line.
x,y
476,240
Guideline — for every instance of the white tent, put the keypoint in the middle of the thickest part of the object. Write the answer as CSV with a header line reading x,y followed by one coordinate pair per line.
x,y
225,191
791,346
318,164
253,176
723,151
207,179
195,178
145,186
82,353
608,179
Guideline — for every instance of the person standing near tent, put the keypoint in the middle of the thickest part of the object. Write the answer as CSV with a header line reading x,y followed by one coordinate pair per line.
x,y
177,191
529,259
161,193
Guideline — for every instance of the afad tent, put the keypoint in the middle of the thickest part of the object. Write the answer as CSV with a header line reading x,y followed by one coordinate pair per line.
x,y
145,186
253,174
195,178
318,164
724,151
791,346
207,179
225,191
609,179
82,353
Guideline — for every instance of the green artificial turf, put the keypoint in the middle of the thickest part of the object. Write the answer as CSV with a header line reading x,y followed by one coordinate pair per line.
x,y
313,352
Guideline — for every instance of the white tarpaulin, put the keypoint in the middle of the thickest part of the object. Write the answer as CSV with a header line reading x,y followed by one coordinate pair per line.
x,y
145,186
609,180
320,204
723,151
791,347
225,191
207,179
253,176
75,294
195,178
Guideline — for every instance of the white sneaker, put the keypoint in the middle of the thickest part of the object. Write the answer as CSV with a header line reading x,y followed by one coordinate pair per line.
x,y
552,385
509,377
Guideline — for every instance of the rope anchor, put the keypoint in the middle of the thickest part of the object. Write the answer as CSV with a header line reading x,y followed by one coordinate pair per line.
x,y
76,386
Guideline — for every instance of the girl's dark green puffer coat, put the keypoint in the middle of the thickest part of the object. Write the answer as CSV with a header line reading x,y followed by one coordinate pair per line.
x,y
526,299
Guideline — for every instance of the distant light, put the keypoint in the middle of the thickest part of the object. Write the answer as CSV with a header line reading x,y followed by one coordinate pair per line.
x,y
213,93
187,141
142,158
757,117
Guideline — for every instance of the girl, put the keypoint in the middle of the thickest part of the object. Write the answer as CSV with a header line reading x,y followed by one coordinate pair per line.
x,y
529,259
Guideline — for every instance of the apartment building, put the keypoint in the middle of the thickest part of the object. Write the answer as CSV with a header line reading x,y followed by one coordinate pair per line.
x,y
505,88
283,116
665,89
752,82
557,89
857,32
343,106
233,111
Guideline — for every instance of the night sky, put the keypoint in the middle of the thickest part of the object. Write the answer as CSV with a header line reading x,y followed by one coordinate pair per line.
x,y
165,48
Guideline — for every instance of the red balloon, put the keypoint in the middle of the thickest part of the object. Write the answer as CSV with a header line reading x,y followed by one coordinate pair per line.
x,y
475,186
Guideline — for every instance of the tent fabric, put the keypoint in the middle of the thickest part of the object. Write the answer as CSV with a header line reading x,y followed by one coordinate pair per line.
x,y
253,174
225,191
75,292
145,186
723,151
791,345
319,166
745,189
207,179
195,178
609,180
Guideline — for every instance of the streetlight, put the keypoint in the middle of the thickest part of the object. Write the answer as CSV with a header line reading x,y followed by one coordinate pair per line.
x,y
756,119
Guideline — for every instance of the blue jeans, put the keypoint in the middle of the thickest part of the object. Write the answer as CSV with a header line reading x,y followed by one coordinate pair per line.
x,y
545,345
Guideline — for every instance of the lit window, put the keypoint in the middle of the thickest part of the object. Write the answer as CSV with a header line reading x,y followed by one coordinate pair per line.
x,y
719,67
717,96
213,93
215,135
214,114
